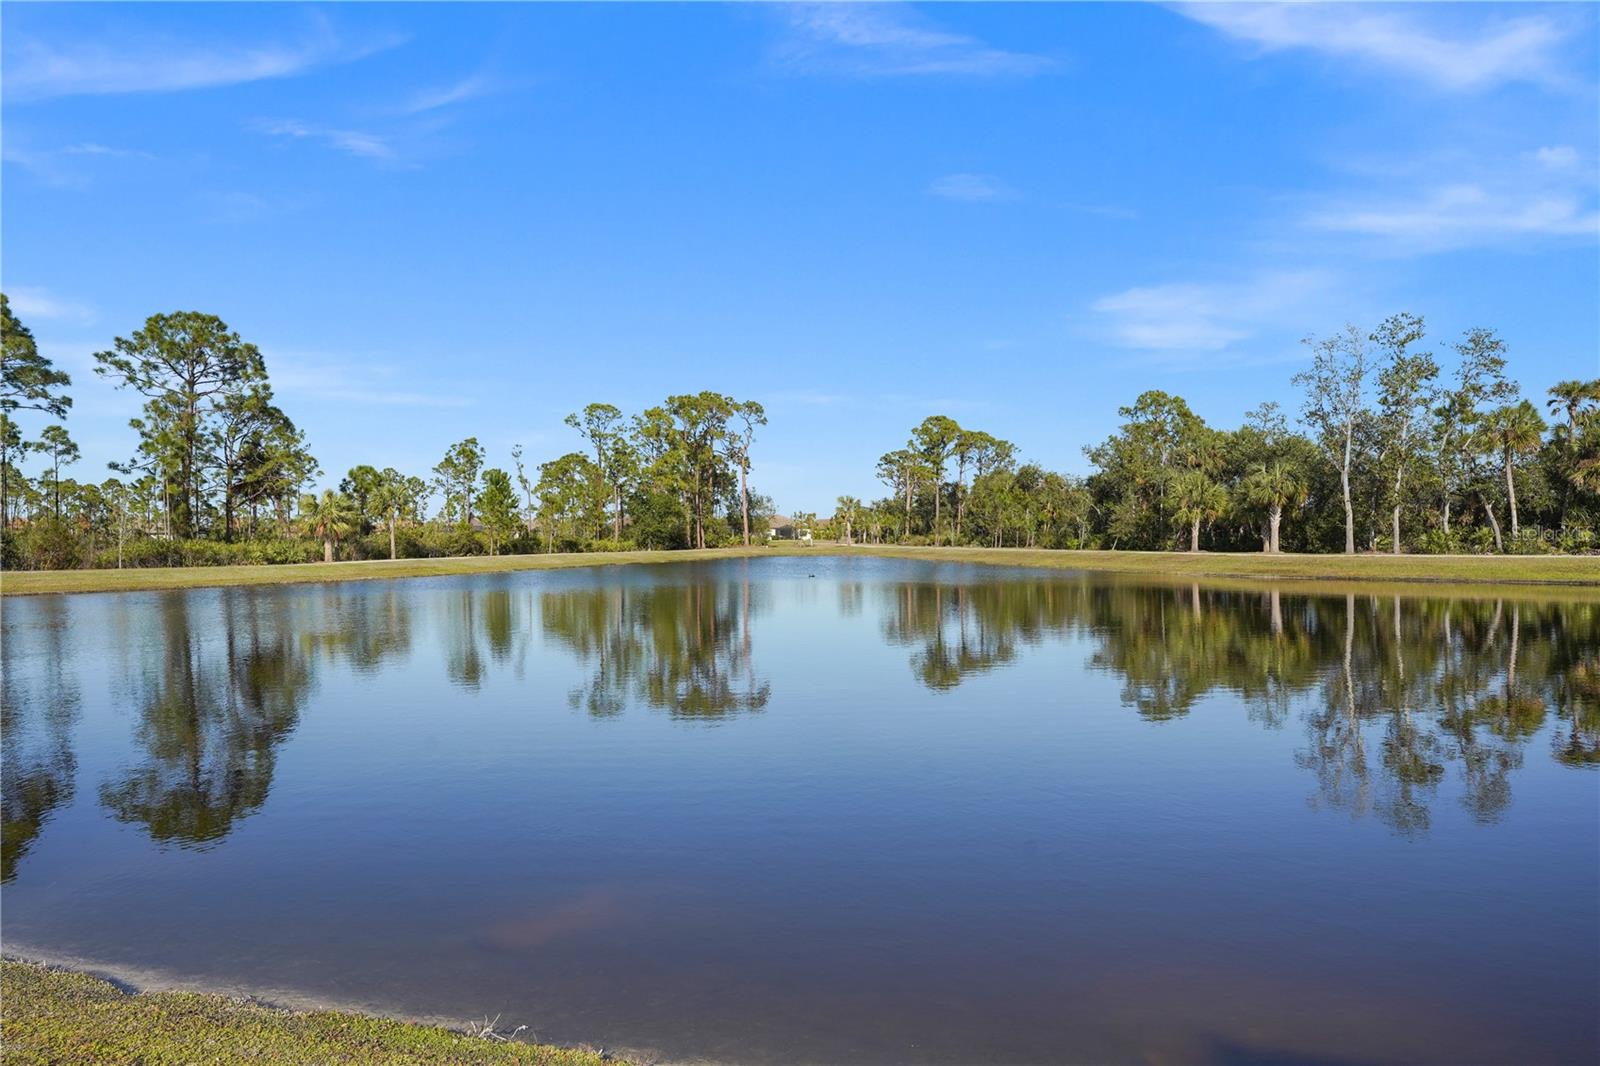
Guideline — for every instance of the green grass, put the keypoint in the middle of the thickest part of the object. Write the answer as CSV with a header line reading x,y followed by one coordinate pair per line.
x,y
1474,570
30,582
1453,569
57,1016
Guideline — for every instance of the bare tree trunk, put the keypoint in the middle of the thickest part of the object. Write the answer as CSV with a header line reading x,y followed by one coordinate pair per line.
x,y
961,496
1494,523
1275,516
1194,535
905,530
1511,495
327,550
1344,484
1395,547
744,502
391,537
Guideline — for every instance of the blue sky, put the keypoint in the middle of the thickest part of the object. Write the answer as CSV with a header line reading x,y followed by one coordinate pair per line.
x,y
442,221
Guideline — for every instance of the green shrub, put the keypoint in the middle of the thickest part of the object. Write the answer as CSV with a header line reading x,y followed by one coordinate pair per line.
x,y
45,544
1527,542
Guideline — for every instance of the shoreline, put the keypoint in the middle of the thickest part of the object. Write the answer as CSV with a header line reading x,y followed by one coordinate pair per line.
x,y
1466,572
133,987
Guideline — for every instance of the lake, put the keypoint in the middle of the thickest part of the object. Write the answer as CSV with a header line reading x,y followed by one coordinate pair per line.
x,y
833,809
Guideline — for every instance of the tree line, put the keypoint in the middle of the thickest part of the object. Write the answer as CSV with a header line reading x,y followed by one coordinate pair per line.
x,y
220,473
1393,450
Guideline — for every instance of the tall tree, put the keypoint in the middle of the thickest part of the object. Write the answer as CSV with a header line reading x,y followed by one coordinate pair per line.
x,y
1479,379
1405,394
255,447
497,508
746,416
28,379
599,424
457,479
1335,406
12,450
181,363
898,470
1577,438
1159,436
564,491
361,484
1513,430
391,498
845,512
934,441
695,426
55,442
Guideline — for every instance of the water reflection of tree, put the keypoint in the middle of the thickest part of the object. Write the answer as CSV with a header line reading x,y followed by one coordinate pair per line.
x,y
37,713
959,630
213,710
363,627
481,626
1392,692
681,648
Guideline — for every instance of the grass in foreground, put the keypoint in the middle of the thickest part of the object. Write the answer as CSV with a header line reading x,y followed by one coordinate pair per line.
x,y
1452,569
56,1016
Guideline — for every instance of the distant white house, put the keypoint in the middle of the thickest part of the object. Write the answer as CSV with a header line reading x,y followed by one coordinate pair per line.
x,y
780,527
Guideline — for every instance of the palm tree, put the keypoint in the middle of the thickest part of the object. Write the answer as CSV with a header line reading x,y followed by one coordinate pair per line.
x,y
331,517
389,499
1578,400
1513,430
1578,437
1274,487
845,515
1198,499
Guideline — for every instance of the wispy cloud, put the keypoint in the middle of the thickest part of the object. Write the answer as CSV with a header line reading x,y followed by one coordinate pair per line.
x,y
1547,192
28,302
38,69
343,380
971,188
468,88
888,40
352,142
64,167
1206,317
1448,47
103,151
1451,216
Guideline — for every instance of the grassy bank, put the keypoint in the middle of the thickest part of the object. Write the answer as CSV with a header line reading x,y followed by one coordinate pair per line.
x,y
56,1016
1453,569
31,582
1448,569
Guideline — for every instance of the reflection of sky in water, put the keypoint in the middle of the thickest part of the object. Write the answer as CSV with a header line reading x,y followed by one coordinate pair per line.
x,y
957,814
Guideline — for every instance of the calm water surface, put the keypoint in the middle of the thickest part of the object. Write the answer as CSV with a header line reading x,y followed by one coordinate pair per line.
x,y
841,810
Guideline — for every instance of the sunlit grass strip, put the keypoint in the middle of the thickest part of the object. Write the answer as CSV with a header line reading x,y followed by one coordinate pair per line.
x,y
56,1016
1453,569
28,582
1449,569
